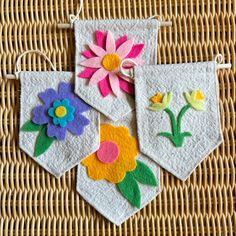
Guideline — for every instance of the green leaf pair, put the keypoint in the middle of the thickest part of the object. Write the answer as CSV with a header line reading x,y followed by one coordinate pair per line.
x,y
129,186
43,142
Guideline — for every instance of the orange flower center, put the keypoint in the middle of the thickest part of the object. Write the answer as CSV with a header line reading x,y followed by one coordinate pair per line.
x,y
111,61
199,95
157,98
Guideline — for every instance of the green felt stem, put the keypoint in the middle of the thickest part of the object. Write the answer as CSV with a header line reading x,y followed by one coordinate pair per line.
x,y
172,119
43,142
180,116
176,137
29,126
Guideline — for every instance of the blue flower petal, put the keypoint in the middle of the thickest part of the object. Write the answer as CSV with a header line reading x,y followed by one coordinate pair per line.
x,y
62,122
51,111
70,109
77,126
56,103
65,102
70,117
56,121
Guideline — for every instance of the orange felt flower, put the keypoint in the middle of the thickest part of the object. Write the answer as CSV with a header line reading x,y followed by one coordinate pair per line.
x,y
116,156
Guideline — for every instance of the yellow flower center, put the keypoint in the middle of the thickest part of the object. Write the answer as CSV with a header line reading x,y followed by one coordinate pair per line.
x,y
60,111
111,61
157,98
199,95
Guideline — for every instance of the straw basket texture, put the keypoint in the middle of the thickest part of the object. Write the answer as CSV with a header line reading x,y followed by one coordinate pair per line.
x,y
32,202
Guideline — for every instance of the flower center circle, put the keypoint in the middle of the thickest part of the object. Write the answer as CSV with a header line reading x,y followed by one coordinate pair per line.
x,y
108,152
60,111
111,61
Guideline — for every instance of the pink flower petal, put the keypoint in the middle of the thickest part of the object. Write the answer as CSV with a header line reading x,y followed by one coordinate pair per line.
x,y
98,76
104,86
125,48
126,86
101,38
94,62
110,43
88,54
135,51
121,40
97,50
114,83
87,73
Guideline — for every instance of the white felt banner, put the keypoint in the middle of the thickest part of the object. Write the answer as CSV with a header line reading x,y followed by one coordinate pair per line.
x,y
105,195
58,129
101,46
178,115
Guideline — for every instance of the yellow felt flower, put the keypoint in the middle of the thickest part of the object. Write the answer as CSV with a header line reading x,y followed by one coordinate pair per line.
x,y
196,99
116,156
161,101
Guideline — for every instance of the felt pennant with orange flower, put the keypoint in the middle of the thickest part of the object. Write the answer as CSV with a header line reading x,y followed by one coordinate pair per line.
x,y
115,161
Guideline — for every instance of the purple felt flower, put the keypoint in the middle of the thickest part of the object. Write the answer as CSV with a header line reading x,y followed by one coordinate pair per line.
x,y
61,111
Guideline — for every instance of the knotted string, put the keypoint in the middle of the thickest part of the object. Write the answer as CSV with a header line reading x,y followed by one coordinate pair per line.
x,y
76,17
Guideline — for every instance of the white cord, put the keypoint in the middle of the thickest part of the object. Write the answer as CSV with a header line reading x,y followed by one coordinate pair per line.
x,y
220,65
123,71
160,18
76,17
18,61
219,58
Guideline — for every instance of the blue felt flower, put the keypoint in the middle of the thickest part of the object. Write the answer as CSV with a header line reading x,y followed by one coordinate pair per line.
x,y
61,112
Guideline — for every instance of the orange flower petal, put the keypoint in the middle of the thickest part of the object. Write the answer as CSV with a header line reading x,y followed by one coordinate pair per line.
x,y
157,98
199,95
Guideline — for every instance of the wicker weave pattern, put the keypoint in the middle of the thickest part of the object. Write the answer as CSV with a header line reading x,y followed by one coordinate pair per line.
x,y
32,202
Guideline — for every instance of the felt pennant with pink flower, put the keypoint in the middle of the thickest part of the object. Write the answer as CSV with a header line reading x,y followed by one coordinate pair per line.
x,y
102,66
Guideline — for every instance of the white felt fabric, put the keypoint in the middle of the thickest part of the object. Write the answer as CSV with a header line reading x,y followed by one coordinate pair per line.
x,y
143,31
105,196
204,125
62,155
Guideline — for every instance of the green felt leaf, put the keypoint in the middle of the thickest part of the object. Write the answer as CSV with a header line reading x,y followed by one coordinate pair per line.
x,y
130,190
43,142
30,126
186,134
144,174
166,134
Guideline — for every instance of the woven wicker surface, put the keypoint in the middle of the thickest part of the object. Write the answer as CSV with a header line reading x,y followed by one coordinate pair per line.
x,y
32,202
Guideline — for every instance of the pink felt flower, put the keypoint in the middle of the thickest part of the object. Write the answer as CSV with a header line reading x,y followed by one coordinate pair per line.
x,y
103,62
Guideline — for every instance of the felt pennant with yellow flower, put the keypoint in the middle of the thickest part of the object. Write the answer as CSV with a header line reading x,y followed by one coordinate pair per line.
x,y
116,161
195,99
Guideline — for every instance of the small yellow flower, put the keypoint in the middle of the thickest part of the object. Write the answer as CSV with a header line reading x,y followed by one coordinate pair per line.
x,y
196,99
161,101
